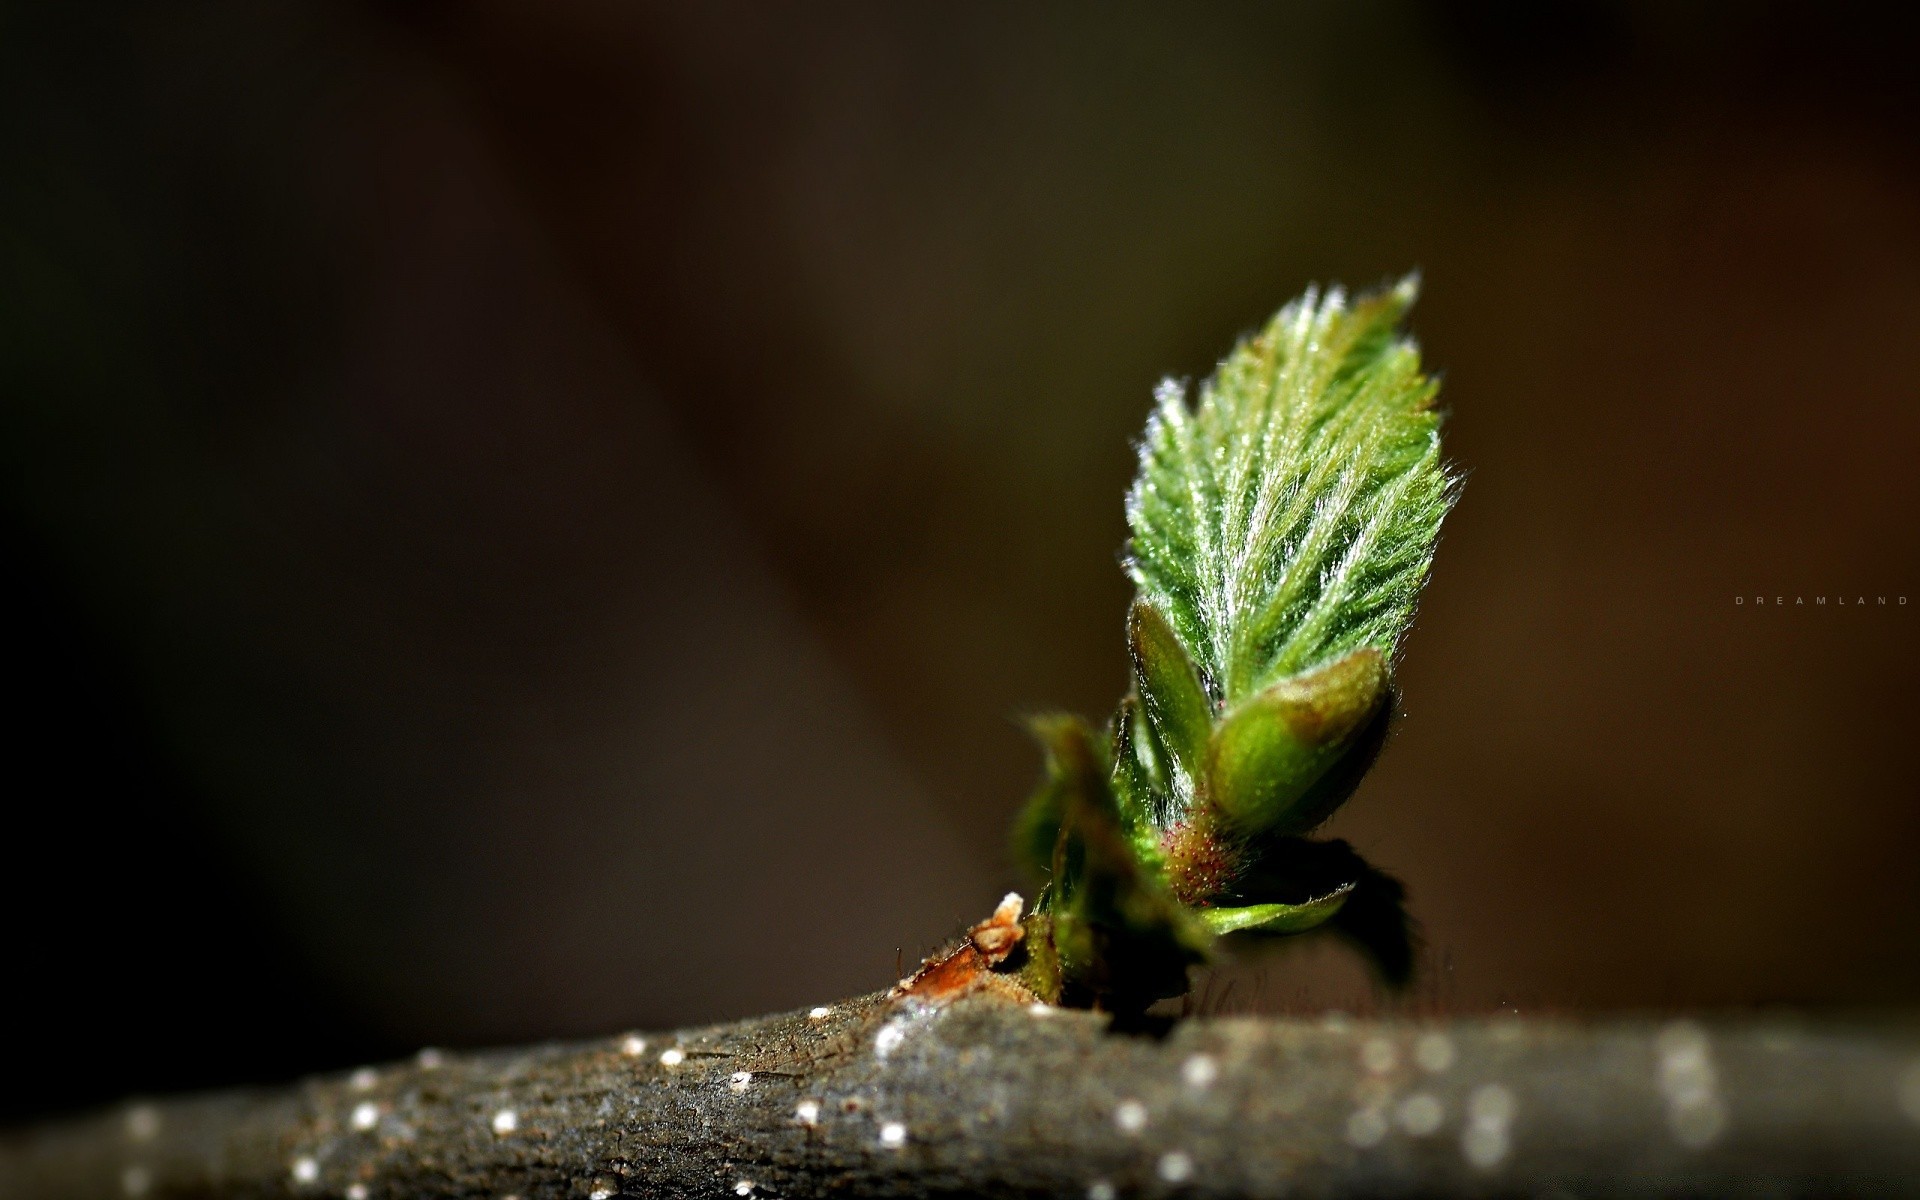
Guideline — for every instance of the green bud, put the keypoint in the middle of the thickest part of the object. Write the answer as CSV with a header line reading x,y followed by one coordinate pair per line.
x,y
1269,752
1170,689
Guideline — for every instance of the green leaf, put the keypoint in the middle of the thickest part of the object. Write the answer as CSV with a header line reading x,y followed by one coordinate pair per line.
x,y
1269,752
1339,781
1275,919
1119,937
1170,691
1140,778
1072,757
1289,517
1373,918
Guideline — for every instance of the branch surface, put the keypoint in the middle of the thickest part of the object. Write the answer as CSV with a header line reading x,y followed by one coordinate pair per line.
x,y
897,1097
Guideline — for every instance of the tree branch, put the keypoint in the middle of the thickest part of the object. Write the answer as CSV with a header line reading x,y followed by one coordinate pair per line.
x,y
889,1097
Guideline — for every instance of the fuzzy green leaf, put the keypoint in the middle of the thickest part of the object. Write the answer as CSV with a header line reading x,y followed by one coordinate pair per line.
x,y
1289,517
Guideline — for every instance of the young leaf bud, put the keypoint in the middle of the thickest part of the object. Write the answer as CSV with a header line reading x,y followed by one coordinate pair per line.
x,y
1271,749
1170,688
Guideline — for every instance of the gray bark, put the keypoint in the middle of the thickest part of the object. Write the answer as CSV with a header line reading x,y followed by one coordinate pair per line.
x,y
886,1097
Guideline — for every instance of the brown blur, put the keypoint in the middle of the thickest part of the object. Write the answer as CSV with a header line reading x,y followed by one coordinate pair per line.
x,y
530,519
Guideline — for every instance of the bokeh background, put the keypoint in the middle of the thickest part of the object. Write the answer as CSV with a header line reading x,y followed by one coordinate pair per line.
x,y
528,520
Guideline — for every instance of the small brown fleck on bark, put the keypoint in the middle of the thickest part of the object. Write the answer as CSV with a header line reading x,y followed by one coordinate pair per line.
x,y
969,967
996,936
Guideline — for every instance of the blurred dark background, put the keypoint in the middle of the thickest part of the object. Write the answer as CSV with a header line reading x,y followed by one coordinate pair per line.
x,y
530,520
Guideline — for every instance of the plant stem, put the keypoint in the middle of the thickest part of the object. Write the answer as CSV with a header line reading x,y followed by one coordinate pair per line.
x,y
895,1097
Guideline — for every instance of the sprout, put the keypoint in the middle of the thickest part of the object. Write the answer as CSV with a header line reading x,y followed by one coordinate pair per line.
x,y
1282,528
